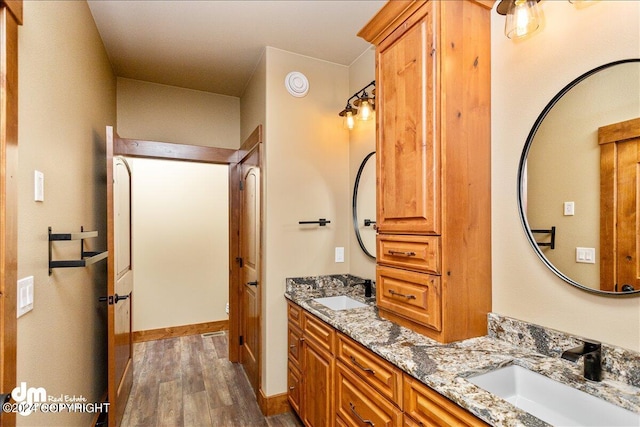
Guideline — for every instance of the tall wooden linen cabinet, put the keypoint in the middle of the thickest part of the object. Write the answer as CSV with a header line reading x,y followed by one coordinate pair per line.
x,y
433,76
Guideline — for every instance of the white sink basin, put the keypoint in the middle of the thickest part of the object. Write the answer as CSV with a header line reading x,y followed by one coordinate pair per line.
x,y
551,401
339,303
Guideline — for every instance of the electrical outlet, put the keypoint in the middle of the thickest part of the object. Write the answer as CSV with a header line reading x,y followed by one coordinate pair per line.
x,y
586,255
339,254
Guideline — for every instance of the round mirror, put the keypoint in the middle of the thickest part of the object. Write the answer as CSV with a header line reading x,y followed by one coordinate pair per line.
x,y
578,181
364,205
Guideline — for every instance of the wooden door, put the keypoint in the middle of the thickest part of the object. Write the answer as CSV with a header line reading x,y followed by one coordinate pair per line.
x,y
120,283
250,253
10,18
407,164
619,230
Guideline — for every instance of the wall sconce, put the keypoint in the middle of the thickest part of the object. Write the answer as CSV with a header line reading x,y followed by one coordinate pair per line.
x,y
362,108
523,17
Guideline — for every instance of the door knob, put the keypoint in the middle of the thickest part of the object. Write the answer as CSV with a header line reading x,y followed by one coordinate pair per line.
x,y
121,297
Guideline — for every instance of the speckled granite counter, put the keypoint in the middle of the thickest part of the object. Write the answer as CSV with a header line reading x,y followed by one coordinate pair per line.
x,y
444,367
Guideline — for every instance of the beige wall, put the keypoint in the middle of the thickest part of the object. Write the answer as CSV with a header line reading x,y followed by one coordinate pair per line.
x,y
158,112
362,141
67,97
180,252
190,285
306,177
525,76
254,101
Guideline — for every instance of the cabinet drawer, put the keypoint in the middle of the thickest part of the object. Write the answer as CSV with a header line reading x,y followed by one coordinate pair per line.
x,y
294,384
319,332
294,348
294,314
430,408
357,403
413,252
385,378
413,295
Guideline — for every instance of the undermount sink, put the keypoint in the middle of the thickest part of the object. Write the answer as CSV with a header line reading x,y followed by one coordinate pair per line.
x,y
551,401
340,303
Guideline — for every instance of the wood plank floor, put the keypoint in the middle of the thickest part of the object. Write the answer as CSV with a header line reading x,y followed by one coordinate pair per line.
x,y
189,381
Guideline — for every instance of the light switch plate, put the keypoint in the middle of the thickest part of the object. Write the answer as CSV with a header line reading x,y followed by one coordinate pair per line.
x,y
38,186
339,254
25,296
586,255
569,208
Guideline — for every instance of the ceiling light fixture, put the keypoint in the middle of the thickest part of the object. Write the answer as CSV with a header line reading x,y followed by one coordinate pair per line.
x,y
363,103
523,17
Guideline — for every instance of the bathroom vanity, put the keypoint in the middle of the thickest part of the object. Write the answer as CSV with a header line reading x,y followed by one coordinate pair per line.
x,y
347,367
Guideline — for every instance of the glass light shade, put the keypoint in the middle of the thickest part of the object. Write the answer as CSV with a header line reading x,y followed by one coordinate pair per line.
x,y
366,112
349,120
523,18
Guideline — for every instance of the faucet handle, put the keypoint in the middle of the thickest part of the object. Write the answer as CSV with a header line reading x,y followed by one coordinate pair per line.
x,y
591,350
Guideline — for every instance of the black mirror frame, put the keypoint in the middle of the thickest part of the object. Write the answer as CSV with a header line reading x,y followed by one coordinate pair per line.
x,y
521,169
354,206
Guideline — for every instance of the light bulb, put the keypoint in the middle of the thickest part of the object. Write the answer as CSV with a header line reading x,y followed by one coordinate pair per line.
x,y
365,110
349,120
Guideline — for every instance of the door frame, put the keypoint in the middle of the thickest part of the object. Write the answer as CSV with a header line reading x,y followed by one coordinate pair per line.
x,y
223,156
11,17
608,138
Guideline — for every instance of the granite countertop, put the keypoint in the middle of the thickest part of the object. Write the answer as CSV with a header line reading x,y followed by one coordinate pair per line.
x,y
444,367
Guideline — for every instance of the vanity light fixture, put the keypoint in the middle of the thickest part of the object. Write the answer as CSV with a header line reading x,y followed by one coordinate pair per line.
x,y
523,17
362,107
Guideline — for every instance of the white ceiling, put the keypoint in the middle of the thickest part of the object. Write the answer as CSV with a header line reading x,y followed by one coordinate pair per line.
x,y
215,45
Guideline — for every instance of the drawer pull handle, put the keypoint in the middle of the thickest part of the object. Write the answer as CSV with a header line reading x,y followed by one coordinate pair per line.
x,y
364,368
401,253
362,420
292,388
394,293
293,345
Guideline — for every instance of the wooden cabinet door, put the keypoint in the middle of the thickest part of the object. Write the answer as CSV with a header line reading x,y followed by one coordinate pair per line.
x,y
410,294
429,408
317,386
408,188
295,345
294,383
357,404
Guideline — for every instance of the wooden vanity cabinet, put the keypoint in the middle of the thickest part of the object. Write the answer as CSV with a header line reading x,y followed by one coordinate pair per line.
x,y
333,380
310,376
433,165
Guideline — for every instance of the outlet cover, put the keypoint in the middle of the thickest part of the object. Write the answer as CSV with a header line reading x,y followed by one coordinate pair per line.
x,y
339,254
586,255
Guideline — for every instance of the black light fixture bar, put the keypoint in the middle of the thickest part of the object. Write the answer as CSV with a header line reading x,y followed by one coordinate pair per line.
x,y
358,95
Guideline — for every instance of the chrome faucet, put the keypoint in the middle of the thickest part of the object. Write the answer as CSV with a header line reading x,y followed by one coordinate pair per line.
x,y
592,352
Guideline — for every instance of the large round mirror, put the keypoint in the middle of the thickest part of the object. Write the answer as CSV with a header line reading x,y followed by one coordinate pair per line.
x,y
364,205
578,181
